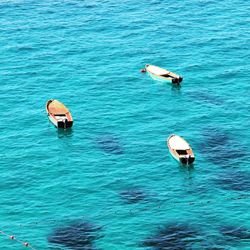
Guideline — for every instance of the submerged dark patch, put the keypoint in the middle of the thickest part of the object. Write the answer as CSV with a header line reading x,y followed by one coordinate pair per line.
x,y
79,235
215,137
225,156
220,149
235,232
205,97
109,144
133,195
216,245
213,248
234,180
173,237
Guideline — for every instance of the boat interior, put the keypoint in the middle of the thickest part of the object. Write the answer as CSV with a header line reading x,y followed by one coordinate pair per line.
x,y
167,75
181,152
61,117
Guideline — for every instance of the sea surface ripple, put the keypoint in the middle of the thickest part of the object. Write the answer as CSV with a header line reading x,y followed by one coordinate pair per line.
x,y
110,180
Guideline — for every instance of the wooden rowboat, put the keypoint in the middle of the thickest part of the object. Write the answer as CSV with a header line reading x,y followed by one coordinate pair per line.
x,y
163,74
180,149
58,114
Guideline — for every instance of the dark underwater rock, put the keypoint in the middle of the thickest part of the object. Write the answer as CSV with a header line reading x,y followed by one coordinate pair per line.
x,y
173,237
215,137
78,235
133,195
109,144
235,232
214,242
213,248
234,180
205,97
219,148
215,146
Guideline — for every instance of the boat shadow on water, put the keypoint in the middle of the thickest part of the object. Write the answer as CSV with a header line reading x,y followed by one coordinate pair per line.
x,y
175,88
61,133
187,169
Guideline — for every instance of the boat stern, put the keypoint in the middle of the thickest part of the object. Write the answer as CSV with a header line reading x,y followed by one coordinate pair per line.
x,y
65,124
177,80
187,159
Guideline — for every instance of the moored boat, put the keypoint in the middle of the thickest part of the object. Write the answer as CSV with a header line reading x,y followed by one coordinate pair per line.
x,y
58,114
180,149
162,74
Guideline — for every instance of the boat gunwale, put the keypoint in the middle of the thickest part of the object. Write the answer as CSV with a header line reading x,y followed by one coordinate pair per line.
x,y
52,116
175,154
172,75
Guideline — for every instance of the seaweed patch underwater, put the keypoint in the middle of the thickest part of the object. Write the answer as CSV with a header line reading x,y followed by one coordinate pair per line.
x,y
76,236
234,180
220,148
133,195
173,236
109,144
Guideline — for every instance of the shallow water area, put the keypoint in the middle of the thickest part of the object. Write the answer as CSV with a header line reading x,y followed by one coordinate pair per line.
x,y
88,55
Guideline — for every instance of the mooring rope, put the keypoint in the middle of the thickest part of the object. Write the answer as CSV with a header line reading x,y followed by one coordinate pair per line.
x,y
12,237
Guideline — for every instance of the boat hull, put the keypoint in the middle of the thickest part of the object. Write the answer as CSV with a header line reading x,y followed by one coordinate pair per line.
x,y
60,124
52,120
159,78
163,75
59,115
183,154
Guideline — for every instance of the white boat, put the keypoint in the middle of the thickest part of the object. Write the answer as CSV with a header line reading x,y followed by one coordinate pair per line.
x,y
180,149
162,74
58,114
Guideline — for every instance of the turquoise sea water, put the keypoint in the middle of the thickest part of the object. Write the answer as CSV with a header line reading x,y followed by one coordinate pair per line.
x,y
113,169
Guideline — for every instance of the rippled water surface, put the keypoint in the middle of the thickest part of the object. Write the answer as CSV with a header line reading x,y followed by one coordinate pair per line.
x,y
110,183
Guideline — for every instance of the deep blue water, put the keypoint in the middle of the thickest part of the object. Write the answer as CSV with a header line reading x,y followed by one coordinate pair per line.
x,y
112,171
